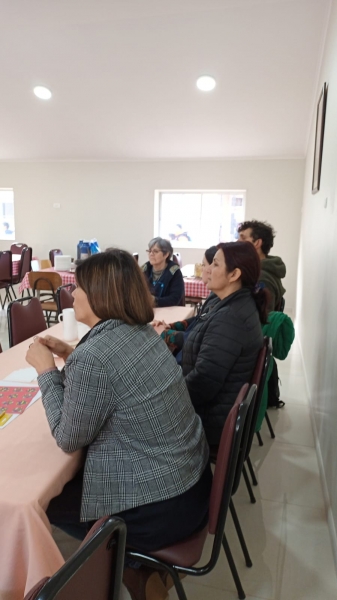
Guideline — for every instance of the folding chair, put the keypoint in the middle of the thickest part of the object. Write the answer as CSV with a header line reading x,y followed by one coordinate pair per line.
x,y
24,321
6,275
64,298
94,572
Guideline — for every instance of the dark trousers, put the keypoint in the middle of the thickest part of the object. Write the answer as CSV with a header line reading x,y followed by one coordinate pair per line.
x,y
150,526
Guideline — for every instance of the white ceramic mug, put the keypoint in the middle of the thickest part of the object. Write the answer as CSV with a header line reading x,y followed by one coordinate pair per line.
x,y
82,329
69,324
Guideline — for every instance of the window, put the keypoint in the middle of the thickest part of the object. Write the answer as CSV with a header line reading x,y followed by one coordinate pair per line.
x,y
199,219
7,226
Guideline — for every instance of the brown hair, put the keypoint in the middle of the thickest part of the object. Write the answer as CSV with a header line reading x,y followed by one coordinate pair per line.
x,y
243,256
115,287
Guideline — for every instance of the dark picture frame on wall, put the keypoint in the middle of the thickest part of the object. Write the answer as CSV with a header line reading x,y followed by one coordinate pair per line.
x,y
319,139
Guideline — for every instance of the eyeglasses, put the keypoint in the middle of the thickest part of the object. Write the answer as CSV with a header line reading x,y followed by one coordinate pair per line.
x,y
151,251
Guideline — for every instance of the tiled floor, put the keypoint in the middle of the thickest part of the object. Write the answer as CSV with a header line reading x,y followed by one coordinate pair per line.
x,y
286,530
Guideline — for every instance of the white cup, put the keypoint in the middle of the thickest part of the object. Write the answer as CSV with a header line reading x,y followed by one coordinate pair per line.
x,y
69,324
82,329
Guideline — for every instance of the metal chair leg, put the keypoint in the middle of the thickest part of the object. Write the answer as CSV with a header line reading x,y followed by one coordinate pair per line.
x,y
258,435
232,567
240,534
178,585
270,427
251,471
249,487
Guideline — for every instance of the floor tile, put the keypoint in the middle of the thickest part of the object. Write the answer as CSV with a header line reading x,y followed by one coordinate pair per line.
x,y
286,473
292,425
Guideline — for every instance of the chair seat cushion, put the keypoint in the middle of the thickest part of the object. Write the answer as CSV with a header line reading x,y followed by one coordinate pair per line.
x,y
186,553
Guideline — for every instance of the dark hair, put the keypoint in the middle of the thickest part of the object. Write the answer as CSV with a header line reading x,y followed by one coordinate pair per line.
x,y
164,245
210,253
243,256
261,230
115,287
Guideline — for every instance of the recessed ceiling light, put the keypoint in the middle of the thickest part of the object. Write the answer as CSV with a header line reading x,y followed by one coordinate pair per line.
x,y
206,83
42,92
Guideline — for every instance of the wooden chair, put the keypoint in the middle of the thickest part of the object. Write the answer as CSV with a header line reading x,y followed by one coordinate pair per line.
x,y
45,263
17,248
24,320
6,275
47,282
64,298
52,254
182,556
94,572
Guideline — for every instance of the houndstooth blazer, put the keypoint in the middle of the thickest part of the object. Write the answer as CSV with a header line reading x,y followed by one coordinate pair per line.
x,y
124,397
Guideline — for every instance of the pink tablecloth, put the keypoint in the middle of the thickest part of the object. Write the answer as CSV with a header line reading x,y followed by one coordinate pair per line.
x,y
33,470
66,277
195,288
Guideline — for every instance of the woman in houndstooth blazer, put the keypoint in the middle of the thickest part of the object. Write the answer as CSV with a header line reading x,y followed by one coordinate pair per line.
x,y
122,397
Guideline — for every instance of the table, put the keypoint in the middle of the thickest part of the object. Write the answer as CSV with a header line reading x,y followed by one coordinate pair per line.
x,y
195,288
16,266
33,471
66,276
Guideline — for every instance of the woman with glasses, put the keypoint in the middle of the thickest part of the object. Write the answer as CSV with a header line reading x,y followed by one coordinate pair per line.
x,y
123,399
164,277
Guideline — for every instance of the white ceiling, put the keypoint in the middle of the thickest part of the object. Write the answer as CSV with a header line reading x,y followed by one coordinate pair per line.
x,y
123,75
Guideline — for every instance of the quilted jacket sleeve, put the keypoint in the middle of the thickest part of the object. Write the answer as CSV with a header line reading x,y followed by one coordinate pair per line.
x,y
219,350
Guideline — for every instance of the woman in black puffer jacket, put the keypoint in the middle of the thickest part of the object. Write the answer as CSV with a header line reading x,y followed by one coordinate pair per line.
x,y
220,353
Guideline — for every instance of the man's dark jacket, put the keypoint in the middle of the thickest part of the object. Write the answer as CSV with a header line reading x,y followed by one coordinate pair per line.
x,y
170,289
219,356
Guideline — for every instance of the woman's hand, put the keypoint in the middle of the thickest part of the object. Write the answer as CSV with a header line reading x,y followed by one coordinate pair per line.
x,y
56,346
40,357
160,323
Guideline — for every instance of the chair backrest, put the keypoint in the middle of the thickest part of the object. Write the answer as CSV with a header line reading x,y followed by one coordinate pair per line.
x,y
6,266
52,254
17,248
176,257
135,256
24,321
226,462
259,379
94,571
26,260
64,298
45,263
44,280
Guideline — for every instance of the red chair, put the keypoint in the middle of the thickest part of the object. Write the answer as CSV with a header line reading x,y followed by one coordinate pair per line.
x,y
94,572
6,275
182,556
17,248
25,266
24,321
53,253
64,298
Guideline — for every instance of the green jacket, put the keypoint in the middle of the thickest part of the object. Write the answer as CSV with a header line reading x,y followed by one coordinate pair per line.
x,y
280,329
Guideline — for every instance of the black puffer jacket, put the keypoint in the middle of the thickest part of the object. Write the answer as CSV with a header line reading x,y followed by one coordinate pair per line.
x,y
219,356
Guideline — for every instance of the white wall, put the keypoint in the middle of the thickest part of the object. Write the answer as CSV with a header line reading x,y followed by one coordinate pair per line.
x,y
317,282
114,201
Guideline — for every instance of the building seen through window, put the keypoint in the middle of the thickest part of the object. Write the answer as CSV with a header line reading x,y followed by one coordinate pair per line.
x,y
199,219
